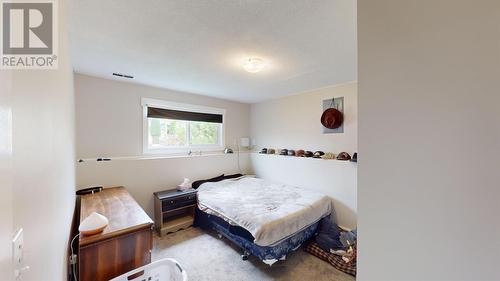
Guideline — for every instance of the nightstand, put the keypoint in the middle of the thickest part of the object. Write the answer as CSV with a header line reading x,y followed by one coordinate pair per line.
x,y
174,210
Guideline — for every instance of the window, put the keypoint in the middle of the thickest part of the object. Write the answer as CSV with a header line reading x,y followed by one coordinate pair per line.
x,y
171,128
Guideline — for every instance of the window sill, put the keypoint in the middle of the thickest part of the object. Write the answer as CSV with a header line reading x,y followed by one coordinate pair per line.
x,y
182,151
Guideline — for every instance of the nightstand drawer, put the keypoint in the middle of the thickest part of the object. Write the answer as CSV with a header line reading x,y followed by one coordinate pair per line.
x,y
178,202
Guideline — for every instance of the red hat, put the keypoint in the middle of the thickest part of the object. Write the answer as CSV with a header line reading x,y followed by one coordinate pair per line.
x,y
332,118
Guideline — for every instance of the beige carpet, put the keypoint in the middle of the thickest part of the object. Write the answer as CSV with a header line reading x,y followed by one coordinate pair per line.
x,y
206,257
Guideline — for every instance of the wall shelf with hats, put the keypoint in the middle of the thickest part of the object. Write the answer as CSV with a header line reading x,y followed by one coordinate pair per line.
x,y
301,154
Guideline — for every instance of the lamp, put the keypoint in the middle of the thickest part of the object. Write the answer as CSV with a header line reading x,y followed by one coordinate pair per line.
x,y
93,224
244,142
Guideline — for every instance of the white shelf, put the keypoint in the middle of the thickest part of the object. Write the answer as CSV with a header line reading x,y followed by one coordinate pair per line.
x,y
154,157
308,158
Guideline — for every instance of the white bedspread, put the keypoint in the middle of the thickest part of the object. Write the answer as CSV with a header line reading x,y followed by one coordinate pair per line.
x,y
270,212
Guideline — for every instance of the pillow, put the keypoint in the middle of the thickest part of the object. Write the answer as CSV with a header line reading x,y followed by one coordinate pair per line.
x,y
197,184
232,176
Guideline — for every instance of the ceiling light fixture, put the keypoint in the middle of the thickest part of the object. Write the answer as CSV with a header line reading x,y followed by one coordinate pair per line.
x,y
254,65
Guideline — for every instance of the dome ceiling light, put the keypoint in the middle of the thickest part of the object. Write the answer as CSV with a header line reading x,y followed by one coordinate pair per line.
x,y
254,65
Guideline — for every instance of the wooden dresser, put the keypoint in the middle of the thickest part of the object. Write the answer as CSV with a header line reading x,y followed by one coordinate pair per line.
x,y
124,244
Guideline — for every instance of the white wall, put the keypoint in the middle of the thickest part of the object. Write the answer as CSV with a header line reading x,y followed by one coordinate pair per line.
x,y
43,162
429,124
142,177
109,115
294,122
109,123
335,178
6,173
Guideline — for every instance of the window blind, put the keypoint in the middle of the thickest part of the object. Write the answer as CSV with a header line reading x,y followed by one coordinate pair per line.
x,y
154,112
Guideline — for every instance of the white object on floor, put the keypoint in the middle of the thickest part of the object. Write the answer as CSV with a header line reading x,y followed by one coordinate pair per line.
x,y
164,269
93,224
338,252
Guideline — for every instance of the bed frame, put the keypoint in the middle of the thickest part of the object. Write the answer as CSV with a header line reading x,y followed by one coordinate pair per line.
x,y
243,239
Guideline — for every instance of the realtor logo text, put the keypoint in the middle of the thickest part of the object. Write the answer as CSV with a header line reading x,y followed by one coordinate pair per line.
x,y
29,35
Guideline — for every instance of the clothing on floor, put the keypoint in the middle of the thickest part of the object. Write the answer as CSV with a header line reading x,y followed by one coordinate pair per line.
x,y
348,238
331,238
328,237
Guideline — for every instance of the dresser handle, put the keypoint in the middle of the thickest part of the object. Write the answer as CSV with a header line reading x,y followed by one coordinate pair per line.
x,y
171,202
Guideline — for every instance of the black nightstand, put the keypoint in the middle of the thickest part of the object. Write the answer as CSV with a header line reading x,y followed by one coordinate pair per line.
x,y
174,210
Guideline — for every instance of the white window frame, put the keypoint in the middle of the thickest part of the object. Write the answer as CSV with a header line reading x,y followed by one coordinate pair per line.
x,y
148,102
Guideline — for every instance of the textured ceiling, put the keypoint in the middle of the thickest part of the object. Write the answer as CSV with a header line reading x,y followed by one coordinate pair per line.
x,y
198,46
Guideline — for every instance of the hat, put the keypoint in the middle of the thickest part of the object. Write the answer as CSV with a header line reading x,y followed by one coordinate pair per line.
x,y
299,153
354,157
270,151
328,155
318,154
332,118
291,152
263,151
343,156
284,152
308,153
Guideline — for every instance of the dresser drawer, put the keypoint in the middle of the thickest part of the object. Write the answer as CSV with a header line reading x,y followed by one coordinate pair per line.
x,y
178,202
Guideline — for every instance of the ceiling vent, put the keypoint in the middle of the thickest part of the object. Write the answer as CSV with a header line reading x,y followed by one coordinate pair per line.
x,y
123,75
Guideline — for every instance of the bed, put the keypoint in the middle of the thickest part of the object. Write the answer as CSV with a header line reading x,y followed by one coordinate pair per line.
x,y
265,219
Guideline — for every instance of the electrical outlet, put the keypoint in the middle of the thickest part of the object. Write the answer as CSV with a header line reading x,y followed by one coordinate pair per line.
x,y
17,254
17,248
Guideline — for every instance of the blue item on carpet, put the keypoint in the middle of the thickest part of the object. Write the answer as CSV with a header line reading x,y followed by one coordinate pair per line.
x,y
328,237
348,238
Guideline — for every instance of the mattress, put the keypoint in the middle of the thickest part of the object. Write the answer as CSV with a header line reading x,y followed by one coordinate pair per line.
x,y
270,212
